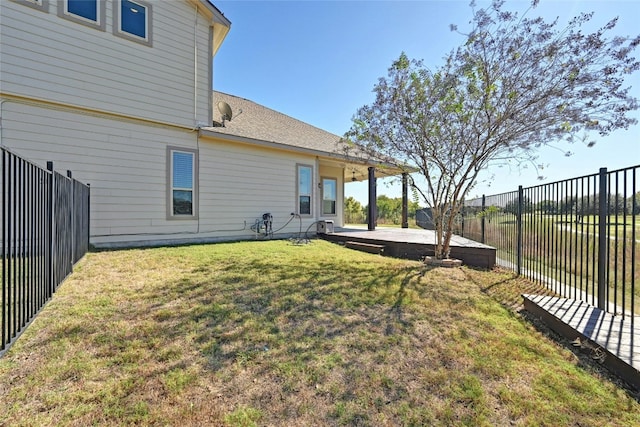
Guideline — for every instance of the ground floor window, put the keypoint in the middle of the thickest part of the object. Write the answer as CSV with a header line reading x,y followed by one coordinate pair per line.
x,y
329,196
182,178
305,188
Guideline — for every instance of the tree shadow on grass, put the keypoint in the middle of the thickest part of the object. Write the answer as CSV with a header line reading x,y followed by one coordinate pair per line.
x,y
396,312
292,324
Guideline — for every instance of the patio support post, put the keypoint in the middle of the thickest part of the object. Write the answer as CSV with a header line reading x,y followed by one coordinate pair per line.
x,y
405,201
482,218
372,211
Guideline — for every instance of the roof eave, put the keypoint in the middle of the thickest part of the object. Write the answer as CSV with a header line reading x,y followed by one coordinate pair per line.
x,y
221,25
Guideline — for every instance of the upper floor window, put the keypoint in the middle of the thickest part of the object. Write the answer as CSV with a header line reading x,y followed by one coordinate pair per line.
x,y
36,4
132,20
87,12
87,9
305,188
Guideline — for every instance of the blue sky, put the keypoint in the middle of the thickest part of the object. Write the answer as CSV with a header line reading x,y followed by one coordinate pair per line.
x,y
318,61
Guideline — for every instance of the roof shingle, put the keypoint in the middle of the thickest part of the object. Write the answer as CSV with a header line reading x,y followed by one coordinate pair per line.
x,y
254,121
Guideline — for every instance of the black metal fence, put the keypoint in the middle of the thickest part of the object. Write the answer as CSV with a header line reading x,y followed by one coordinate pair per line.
x,y
45,231
580,237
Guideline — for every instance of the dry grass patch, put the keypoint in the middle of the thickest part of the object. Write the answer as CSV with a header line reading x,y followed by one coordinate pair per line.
x,y
269,333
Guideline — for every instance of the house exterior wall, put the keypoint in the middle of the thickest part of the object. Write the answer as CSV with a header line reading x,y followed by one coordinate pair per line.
x,y
49,58
240,182
125,162
109,109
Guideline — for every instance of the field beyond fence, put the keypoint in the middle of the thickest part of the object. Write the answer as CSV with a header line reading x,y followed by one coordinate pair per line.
x,y
580,237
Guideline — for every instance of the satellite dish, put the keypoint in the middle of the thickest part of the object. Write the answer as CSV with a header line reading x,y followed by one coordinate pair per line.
x,y
225,110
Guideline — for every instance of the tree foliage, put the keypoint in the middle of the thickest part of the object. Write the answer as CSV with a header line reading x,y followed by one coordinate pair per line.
x,y
512,206
516,84
354,212
389,210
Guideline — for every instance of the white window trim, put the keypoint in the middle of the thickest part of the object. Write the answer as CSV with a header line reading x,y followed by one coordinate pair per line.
x,y
335,180
42,5
298,167
117,21
169,173
99,24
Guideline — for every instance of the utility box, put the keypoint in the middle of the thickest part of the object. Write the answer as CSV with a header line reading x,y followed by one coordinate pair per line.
x,y
325,226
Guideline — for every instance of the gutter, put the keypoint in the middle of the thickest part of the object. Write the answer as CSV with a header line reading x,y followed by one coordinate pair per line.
x,y
44,103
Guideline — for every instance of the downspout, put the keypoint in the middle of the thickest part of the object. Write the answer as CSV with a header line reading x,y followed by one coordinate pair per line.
x,y
196,125
195,68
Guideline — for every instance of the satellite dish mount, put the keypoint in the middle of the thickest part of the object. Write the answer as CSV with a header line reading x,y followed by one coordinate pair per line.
x,y
225,111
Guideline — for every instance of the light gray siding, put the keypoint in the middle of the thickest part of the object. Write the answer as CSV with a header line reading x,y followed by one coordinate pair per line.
x,y
241,182
125,162
49,58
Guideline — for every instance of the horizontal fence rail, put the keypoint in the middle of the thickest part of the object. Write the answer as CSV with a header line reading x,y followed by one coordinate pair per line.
x,y
580,237
45,230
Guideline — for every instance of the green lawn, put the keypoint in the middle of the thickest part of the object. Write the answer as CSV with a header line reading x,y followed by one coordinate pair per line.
x,y
272,333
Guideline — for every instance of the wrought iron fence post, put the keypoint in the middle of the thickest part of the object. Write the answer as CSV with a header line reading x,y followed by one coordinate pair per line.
x,y
72,213
51,220
5,251
602,239
519,230
88,216
482,219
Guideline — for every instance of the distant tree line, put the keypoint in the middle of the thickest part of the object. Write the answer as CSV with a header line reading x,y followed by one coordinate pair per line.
x,y
389,210
588,205
580,206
